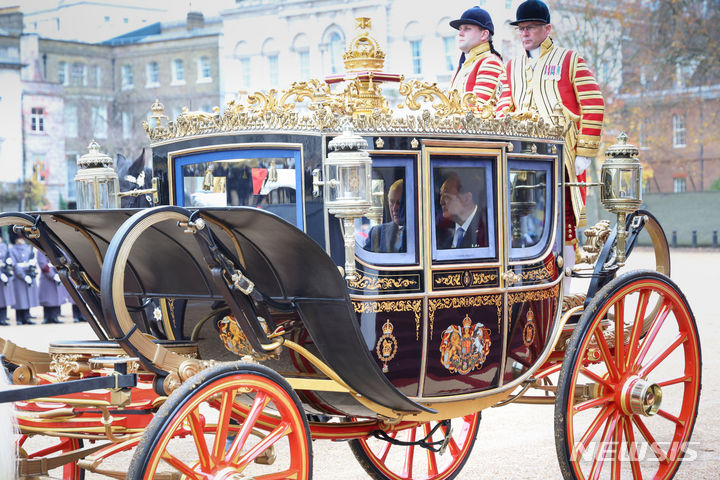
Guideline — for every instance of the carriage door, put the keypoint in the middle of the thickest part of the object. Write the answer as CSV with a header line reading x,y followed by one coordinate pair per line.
x,y
464,254
533,239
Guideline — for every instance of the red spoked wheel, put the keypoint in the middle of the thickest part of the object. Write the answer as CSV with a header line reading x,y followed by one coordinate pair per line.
x,y
629,386
46,447
231,421
400,456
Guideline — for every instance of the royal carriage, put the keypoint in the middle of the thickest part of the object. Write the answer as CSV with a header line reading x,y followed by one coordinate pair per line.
x,y
300,280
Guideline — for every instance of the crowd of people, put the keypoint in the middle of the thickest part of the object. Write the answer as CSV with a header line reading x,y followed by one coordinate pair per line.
x,y
27,280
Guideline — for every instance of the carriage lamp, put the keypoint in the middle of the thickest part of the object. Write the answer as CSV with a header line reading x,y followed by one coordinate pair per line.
x,y
348,192
96,180
621,187
375,214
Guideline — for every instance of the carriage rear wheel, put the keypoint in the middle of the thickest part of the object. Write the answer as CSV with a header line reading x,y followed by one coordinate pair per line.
x,y
231,421
629,385
391,460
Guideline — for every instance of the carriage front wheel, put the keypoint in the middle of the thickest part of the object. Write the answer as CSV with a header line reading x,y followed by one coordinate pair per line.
x,y
629,385
233,420
430,451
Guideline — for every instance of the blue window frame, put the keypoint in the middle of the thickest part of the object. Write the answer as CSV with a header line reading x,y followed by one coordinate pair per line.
x,y
530,207
463,195
270,179
388,235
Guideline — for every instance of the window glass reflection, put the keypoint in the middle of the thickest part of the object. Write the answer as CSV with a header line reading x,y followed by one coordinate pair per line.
x,y
383,230
528,196
266,182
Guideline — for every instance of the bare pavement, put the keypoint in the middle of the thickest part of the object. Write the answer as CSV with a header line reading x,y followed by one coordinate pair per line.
x,y
517,441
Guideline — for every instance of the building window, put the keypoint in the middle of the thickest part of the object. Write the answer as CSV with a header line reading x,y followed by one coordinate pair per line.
x,y
152,72
71,121
678,131
99,121
71,163
336,48
178,72
245,71
416,56
98,75
126,126
273,70
79,74
304,60
37,119
127,80
204,71
62,73
450,49
679,185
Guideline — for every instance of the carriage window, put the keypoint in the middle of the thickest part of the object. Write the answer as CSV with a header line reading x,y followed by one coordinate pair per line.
x,y
530,202
387,234
463,206
267,179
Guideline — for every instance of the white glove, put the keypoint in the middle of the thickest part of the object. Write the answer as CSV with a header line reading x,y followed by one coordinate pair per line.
x,y
3,277
56,277
28,280
9,261
581,164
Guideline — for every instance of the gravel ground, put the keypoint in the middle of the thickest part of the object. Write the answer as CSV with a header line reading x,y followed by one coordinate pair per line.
x,y
517,441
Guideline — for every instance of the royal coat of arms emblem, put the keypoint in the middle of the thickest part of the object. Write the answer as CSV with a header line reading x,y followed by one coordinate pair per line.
x,y
386,346
463,349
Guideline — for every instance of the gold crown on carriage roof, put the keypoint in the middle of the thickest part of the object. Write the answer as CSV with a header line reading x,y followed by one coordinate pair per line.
x,y
355,96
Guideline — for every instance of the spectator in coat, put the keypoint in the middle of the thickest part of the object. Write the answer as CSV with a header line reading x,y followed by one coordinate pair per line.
x,y
7,298
23,281
51,292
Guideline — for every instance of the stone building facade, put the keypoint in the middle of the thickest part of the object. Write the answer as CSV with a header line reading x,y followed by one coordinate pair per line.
x,y
73,92
272,43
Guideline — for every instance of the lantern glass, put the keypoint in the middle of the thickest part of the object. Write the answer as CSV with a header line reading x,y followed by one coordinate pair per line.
x,y
621,184
97,188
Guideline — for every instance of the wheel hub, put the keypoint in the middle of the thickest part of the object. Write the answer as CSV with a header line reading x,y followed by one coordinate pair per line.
x,y
640,397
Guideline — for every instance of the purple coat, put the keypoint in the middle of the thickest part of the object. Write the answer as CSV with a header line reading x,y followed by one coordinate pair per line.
x,y
25,296
7,295
50,292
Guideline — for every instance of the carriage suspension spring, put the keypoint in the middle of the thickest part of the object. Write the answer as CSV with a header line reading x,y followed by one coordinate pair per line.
x,y
434,446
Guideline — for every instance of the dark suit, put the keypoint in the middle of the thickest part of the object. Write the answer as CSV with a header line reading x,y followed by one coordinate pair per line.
x,y
476,236
383,238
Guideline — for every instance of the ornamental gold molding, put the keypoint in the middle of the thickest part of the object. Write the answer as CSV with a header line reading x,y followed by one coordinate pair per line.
x,y
414,306
540,273
365,282
532,296
435,304
464,279
327,114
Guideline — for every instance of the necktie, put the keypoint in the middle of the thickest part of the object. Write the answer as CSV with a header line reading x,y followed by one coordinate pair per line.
x,y
459,236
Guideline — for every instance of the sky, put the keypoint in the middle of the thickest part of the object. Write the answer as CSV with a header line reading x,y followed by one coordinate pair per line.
x,y
176,8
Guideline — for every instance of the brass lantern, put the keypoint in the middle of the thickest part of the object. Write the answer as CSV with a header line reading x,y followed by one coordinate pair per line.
x,y
621,186
96,180
348,193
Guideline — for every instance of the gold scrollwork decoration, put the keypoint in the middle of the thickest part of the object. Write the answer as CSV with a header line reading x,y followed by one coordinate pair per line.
x,y
365,282
541,273
442,303
532,295
448,280
480,278
386,306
